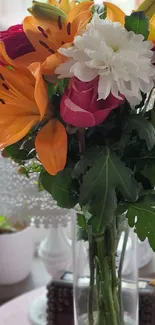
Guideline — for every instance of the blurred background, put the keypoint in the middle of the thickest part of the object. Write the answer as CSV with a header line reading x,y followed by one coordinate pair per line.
x,y
12,12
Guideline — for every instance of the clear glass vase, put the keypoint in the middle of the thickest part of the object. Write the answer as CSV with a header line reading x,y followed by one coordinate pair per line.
x,y
106,283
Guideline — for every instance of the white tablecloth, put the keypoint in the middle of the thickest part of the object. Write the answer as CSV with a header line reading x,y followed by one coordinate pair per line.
x,y
15,312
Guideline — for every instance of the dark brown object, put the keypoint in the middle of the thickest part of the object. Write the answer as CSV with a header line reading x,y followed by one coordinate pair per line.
x,y
146,303
60,302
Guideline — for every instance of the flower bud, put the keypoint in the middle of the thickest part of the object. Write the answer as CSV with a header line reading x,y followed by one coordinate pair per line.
x,y
4,154
22,171
46,11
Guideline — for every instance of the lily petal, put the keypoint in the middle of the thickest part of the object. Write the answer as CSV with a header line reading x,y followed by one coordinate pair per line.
x,y
23,60
152,29
37,33
41,91
80,22
65,6
14,127
114,13
81,7
51,146
18,109
54,3
52,62
16,84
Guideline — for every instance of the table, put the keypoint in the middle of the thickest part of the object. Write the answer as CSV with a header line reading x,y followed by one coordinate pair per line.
x,y
15,312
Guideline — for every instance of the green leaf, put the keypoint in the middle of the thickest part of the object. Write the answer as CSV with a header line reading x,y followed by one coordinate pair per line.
x,y
142,217
21,150
85,162
138,23
107,174
149,172
100,9
103,207
60,187
81,221
145,129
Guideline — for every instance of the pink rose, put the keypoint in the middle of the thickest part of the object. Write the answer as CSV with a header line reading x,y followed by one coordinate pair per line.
x,y
80,106
16,42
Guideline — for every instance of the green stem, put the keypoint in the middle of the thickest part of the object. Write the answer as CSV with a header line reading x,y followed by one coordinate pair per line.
x,y
81,139
120,270
113,249
106,282
92,269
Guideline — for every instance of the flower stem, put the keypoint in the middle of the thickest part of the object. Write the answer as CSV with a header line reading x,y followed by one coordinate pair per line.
x,y
81,139
113,243
92,270
120,270
105,274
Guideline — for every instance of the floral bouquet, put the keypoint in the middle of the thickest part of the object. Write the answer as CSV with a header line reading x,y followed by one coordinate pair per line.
x,y
76,86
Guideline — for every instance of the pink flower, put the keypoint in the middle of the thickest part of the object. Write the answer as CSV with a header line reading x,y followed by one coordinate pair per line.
x,y
80,106
16,42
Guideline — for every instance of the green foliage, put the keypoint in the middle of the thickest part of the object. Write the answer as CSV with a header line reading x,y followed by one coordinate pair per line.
x,y
4,225
149,173
85,162
138,23
61,187
142,216
22,150
145,129
81,221
100,9
98,189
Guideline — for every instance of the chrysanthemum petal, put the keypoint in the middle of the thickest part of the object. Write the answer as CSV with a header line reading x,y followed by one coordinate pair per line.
x,y
51,146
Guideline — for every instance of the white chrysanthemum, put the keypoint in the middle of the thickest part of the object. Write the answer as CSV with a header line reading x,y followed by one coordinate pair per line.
x,y
121,59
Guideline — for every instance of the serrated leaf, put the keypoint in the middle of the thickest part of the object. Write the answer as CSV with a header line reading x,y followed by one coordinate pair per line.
x,y
142,217
145,129
60,187
103,208
85,162
138,23
107,174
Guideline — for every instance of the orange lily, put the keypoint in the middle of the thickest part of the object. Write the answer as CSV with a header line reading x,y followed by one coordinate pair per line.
x,y
116,14
23,104
47,36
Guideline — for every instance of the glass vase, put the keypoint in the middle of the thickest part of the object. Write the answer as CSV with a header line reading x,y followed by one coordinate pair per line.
x,y
106,288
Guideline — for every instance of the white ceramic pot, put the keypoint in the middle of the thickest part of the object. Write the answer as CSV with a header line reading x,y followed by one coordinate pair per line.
x,y
16,254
